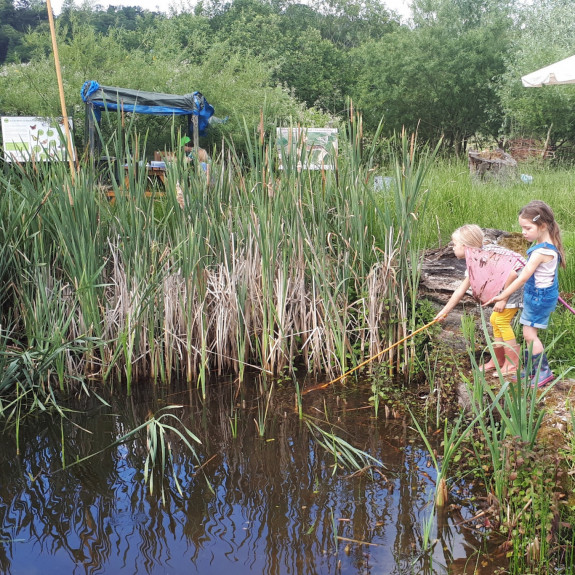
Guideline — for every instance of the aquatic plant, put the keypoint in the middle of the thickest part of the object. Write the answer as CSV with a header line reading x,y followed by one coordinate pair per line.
x,y
255,267
524,481
344,454
158,447
263,411
454,434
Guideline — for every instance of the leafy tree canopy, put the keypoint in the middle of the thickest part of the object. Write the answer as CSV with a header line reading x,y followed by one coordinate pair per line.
x,y
438,76
453,71
547,36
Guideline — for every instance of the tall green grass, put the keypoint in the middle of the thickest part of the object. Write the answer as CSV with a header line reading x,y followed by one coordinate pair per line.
x,y
252,268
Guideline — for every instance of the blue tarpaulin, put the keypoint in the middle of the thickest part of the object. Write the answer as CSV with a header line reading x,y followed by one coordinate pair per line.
x,y
142,102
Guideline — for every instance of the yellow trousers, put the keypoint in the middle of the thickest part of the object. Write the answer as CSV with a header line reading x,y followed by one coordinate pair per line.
x,y
501,323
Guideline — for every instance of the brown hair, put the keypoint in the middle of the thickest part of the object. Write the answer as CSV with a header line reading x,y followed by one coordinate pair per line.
x,y
470,235
540,213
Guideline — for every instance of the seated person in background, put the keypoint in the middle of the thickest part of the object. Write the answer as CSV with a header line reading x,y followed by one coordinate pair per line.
x,y
203,156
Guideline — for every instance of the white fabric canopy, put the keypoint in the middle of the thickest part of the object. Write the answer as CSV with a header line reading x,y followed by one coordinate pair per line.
x,y
562,72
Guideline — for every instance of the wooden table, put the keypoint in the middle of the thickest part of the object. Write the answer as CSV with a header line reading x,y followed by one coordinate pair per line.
x,y
155,175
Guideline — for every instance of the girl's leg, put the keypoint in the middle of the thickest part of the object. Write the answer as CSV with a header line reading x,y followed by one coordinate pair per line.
x,y
512,349
532,339
507,350
498,357
541,373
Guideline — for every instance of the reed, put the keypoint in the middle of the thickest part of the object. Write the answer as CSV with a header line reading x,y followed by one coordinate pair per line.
x,y
454,434
254,266
345,455
263,409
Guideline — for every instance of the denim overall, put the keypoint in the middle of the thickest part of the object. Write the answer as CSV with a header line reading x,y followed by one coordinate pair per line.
x,y
538,303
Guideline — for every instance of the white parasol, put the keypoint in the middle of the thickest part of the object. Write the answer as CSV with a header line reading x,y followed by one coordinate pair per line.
x,y
562,72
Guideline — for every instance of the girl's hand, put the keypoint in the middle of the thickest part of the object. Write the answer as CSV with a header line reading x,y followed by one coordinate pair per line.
x,y
493,300
440,316
500,306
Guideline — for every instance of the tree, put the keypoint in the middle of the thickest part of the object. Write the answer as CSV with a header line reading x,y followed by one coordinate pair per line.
x,y
547,34
15,20
237,86
437,77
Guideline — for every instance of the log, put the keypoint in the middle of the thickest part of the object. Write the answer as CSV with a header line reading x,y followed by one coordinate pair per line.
x,y
442,272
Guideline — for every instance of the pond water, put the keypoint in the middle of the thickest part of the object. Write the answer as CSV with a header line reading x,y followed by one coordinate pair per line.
x,y
267,498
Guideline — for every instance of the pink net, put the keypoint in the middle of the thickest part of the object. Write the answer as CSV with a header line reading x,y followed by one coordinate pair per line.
x,y
489,269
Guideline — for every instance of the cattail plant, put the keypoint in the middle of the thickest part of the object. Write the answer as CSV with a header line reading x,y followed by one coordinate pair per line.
x,y
250,268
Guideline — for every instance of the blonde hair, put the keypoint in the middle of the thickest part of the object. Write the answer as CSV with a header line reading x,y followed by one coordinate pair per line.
x,y
203,155
469,235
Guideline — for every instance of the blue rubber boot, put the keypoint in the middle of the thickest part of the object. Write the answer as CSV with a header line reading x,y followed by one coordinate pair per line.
x,y
524,363
541,373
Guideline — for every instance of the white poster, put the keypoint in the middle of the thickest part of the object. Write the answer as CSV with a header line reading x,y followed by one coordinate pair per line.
x,y
314,148
28,138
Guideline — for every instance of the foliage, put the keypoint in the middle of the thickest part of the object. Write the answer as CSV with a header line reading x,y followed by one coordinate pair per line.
x,y
548,35
561,332
16,18
436,77
251,267
345,455
238,86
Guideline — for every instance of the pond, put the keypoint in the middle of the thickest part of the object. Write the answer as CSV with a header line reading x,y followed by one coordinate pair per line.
x,y
264,495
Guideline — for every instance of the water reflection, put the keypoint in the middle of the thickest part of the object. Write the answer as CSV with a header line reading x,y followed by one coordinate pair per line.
x,y
273,505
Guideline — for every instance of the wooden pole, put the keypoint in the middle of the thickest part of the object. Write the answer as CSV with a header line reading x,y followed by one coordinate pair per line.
x,y
62,100
546,147
196,136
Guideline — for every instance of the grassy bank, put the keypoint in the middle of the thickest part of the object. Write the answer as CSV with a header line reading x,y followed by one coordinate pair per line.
x,y
454,200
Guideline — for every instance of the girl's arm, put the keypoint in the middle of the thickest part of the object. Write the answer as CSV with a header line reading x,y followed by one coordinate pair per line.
x,y
454,299
532,264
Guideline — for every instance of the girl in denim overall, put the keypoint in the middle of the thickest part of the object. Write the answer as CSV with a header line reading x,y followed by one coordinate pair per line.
x,y
541,290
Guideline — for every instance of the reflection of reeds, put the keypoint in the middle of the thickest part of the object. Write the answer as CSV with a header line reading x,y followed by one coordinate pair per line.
x,y
251,268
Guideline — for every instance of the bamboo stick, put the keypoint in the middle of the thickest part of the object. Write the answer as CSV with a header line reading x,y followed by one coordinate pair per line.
x,y
324,385
62,99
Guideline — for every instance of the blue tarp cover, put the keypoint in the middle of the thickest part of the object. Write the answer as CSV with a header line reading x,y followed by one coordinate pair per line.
x,y
141,102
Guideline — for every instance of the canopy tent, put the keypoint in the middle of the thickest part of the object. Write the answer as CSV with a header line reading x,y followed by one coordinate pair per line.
x,y
98,98
562,72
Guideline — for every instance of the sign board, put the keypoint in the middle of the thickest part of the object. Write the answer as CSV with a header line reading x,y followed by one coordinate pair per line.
x,y
314,148
28,138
